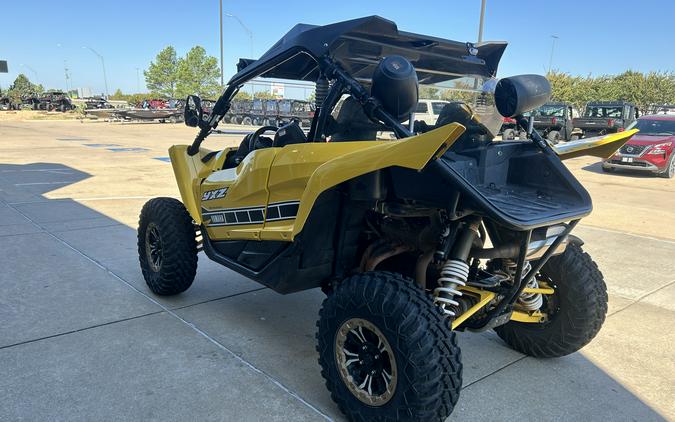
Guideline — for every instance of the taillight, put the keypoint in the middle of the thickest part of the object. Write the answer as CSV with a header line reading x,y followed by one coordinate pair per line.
x,y
311,114
621,129
554,120
610,122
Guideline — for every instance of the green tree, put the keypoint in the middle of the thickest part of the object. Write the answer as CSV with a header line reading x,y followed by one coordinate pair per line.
x,y
242,95
429,92
197,74
23,87
161,76
264,95
643,89
118,95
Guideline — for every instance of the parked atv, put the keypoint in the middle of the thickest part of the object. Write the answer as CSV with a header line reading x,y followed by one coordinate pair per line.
x,y
396,233
603,117
29,102
55,101
510,130
6,103
554,121
237,111
257,114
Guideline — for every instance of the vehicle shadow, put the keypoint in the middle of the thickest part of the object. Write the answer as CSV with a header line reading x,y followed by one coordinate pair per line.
x,y
597,168
271,332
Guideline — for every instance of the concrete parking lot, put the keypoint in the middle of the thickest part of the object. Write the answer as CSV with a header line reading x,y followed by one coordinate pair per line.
x,y
82,338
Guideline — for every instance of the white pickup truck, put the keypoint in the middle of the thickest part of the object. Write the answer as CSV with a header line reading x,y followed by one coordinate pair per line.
x,y
428,110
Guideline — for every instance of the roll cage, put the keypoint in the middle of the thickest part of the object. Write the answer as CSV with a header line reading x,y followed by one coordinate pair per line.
x,y
341,58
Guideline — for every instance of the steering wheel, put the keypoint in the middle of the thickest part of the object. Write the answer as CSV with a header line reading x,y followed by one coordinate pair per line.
x,y
248,144
256,135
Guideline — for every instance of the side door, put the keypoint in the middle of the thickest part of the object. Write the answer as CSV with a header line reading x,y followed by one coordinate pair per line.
x,y
233,201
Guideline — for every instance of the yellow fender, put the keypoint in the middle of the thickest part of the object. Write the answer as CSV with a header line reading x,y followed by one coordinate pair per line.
x,y
412,153
189,172
600,146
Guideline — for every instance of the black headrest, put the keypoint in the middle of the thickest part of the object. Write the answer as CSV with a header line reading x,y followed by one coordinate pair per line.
x,y
290,133
352,124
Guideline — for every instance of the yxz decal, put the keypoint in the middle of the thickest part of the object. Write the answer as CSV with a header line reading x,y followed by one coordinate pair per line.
x,y
214,194
252,215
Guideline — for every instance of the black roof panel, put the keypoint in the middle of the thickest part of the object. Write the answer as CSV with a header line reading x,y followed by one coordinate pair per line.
x,y
358,45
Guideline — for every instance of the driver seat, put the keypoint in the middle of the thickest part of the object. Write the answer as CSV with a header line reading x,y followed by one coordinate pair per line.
x,y
352,124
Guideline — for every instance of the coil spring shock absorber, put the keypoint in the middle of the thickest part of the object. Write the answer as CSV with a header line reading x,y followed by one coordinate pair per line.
x,y
321,91
453,274
455,271
527,301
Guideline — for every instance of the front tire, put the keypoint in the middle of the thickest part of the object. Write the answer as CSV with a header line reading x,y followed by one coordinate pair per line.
x,y
669,171
386,351
578,310
167,246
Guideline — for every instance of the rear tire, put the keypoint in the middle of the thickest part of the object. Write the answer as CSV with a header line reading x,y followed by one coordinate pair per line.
x,y
553,136
581,297
167,246
388,323
508,134
607,169
246,121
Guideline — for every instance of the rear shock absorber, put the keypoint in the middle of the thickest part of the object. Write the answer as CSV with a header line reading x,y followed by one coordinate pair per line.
x,y
453,274
455,271
527,301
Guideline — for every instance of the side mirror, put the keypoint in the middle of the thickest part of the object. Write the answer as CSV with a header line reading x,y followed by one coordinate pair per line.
x,y
193,111
518,94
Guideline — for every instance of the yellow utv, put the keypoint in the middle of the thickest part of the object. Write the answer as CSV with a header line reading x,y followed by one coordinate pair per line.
x,y
433,230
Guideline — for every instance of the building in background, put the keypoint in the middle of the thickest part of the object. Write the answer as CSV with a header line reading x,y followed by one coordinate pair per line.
x,y
277,90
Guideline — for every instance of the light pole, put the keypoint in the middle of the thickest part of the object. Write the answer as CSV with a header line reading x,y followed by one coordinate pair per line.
x,y
482,17
248,31
550,59
105,78
222,68
138,80
65,69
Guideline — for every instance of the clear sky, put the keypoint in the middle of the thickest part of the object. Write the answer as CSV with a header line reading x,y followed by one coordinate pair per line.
x,y
595,37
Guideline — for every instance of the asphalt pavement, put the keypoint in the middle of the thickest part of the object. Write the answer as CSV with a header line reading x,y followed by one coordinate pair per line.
x,y
82,338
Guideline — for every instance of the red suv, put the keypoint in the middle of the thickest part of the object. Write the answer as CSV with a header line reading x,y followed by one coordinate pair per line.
x,y
651,149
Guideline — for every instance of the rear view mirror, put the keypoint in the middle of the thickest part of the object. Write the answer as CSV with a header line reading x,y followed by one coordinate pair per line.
x,y
193,111
518,94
